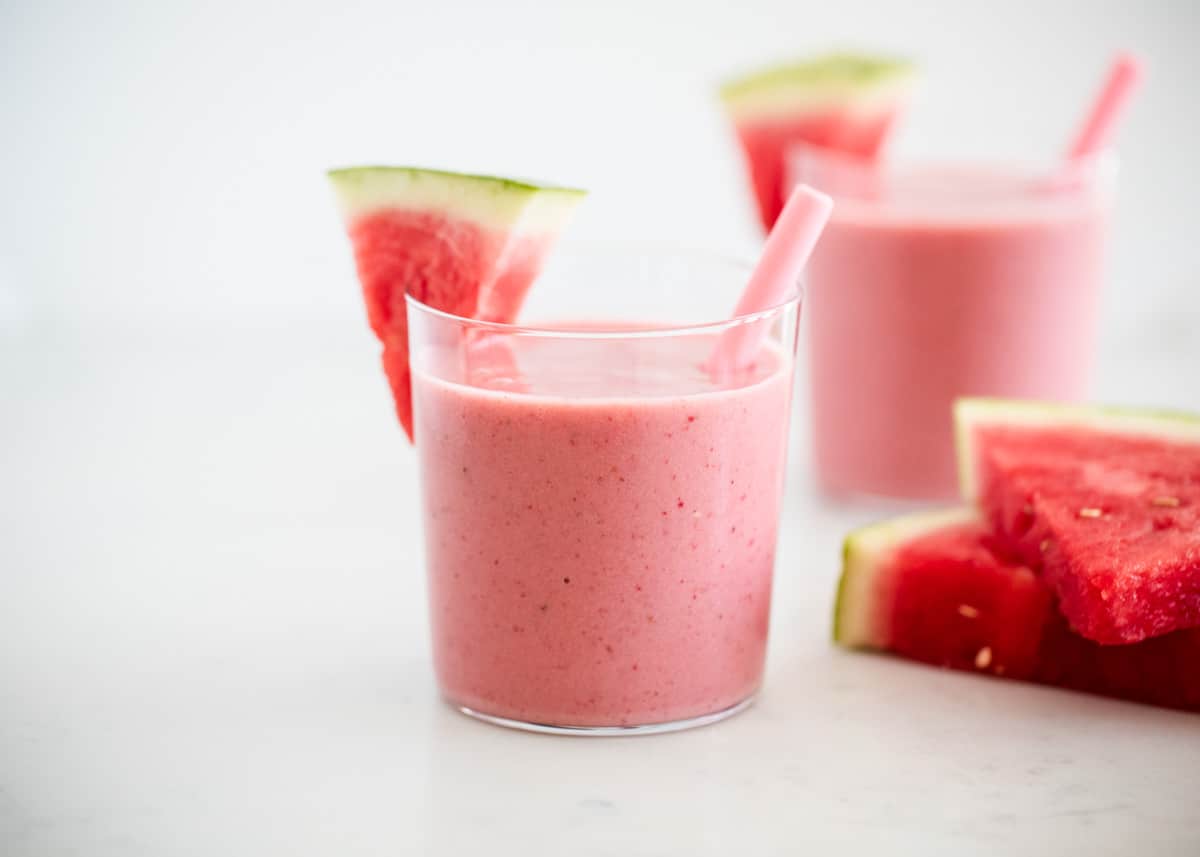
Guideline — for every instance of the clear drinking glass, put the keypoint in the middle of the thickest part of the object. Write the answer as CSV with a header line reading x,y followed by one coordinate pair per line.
x,y
600,508
938,281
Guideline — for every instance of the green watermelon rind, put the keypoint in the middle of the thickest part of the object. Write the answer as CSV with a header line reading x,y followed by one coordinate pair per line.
x,y
492,201
831,78
865,551
971,413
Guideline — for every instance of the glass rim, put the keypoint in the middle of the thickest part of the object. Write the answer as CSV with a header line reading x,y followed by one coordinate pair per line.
x,y
1048,178
617,330
1105,159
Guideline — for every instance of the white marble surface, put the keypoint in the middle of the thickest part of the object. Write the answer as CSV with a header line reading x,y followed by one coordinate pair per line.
x,y
213,642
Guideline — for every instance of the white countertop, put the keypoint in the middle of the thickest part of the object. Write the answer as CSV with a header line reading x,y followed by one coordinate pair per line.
x,y
213,642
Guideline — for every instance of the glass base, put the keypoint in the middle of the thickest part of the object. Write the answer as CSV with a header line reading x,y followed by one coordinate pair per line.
x,y
607,731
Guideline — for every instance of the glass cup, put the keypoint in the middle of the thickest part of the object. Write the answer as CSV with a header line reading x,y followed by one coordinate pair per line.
x,y
938,281
601,506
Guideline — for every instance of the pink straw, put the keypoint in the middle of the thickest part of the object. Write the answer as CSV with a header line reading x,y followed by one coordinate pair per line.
x,y
1097,130
789,244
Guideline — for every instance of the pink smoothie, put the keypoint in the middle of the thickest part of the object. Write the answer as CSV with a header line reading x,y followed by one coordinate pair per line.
x,y
952,283
601,544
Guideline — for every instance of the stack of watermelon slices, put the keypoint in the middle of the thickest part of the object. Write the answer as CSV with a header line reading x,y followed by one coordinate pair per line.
x,y
842,102
1076,565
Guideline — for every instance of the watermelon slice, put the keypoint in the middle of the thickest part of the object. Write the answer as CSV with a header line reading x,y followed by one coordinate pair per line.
x,y
465,244
840,101
1105,501
937,587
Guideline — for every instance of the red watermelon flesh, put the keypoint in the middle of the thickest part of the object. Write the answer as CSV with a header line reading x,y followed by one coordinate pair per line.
x,y
1106,502
840,102
767,143
468,245
939,588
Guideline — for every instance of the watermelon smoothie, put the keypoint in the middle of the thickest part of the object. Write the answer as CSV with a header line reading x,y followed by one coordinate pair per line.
x,y
600,518
932,283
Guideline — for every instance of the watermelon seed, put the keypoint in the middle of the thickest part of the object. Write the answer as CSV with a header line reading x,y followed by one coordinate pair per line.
x,y
983,658
1171,502
1090,513
967,611
1027,508
1044,546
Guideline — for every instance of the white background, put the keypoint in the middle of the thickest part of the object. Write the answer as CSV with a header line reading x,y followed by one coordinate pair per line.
x,y
163,160
212,615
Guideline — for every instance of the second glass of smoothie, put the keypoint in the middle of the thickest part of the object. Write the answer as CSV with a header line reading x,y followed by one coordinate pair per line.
x,y
601,509
940,281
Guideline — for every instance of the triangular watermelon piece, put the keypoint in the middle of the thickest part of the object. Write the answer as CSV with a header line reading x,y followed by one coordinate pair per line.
x,y
844,102
939,587
1105,500
465,244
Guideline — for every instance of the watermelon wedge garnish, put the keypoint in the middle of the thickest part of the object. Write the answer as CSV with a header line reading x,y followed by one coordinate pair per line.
x,y
844,102
464,244
938,587
1105,501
